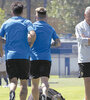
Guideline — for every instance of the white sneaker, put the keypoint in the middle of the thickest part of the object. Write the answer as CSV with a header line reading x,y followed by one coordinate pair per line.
x,y
5,86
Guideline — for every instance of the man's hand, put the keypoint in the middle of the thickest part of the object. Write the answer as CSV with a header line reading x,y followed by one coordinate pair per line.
x,y
31,38
87,38
89,41
56,43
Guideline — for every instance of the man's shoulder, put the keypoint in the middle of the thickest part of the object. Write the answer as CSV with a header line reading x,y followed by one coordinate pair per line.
x,y
35,23
80,24
52,28
45,24
8,21
5,22
27,20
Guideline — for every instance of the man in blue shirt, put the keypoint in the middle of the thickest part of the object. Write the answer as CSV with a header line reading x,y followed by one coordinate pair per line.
x,y
41,54
17,50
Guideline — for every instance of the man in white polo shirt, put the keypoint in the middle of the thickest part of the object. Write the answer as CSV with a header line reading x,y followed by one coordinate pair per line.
x,y
83,36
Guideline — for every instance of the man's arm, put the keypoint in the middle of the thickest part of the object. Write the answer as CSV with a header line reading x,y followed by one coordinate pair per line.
x,y
31,38
89,41
3,40
84,37
81,38
56,43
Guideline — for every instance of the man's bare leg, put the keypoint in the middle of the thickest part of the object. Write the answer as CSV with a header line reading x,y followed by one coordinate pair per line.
x,y
35,90
87,88
23,91
13,85
45,86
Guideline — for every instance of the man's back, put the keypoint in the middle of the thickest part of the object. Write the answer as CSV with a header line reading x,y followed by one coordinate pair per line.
x,y
16,32
41,47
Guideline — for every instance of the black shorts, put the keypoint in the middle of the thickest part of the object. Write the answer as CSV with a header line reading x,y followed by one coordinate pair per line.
x,y
40,68
84,69
18,68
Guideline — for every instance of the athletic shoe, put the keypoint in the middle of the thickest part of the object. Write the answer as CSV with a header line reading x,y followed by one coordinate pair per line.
x,y
5,86
44,97
12,95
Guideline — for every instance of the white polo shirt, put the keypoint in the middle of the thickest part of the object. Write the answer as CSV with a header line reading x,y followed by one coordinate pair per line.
x,y
82,32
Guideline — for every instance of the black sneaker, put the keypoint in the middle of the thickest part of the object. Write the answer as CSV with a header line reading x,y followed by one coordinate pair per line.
x,y
44,97
12,95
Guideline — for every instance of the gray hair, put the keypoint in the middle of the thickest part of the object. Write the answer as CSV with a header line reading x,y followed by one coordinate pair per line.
x,y
87,10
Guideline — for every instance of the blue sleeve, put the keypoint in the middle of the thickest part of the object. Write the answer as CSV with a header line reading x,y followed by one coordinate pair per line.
x,y
29,26
2,31
54,35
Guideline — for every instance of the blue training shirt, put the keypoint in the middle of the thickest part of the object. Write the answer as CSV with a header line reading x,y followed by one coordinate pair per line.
x,y
16,30
44,34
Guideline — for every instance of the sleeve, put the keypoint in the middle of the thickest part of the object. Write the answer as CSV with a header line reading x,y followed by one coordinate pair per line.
x,y
29,26
2,31
80,36
54,35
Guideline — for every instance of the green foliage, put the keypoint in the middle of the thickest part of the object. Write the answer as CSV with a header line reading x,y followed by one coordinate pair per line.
x,y
2,16
68,12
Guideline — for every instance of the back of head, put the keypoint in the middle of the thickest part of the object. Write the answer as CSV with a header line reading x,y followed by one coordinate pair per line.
x,y
87,10
17,8
87,15
41,12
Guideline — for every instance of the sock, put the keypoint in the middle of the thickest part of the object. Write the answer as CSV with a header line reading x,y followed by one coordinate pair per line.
x,y
12,95
44,97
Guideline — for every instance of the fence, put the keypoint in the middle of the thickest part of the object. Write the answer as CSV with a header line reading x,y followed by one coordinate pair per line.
x,y
64,60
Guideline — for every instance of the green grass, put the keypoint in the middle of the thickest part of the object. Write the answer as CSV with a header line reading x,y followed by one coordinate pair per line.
x,y
70,88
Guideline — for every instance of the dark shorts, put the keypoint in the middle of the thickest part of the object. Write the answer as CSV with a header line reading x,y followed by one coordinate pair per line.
x,y
84,69
18,68
40,68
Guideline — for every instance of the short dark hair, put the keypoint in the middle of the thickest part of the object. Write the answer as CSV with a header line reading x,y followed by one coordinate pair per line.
x,y
41,11
17,8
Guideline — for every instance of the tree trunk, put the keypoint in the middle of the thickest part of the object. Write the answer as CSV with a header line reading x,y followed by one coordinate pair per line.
x,y
3,3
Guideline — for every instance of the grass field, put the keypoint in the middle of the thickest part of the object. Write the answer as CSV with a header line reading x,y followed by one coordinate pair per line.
x,y
70,88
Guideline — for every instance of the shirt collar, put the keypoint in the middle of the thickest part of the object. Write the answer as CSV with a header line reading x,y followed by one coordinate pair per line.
x,y
15,17
86,23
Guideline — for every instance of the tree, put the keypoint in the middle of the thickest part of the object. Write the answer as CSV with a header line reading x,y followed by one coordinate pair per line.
x,y
2,16
68,12
3,3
